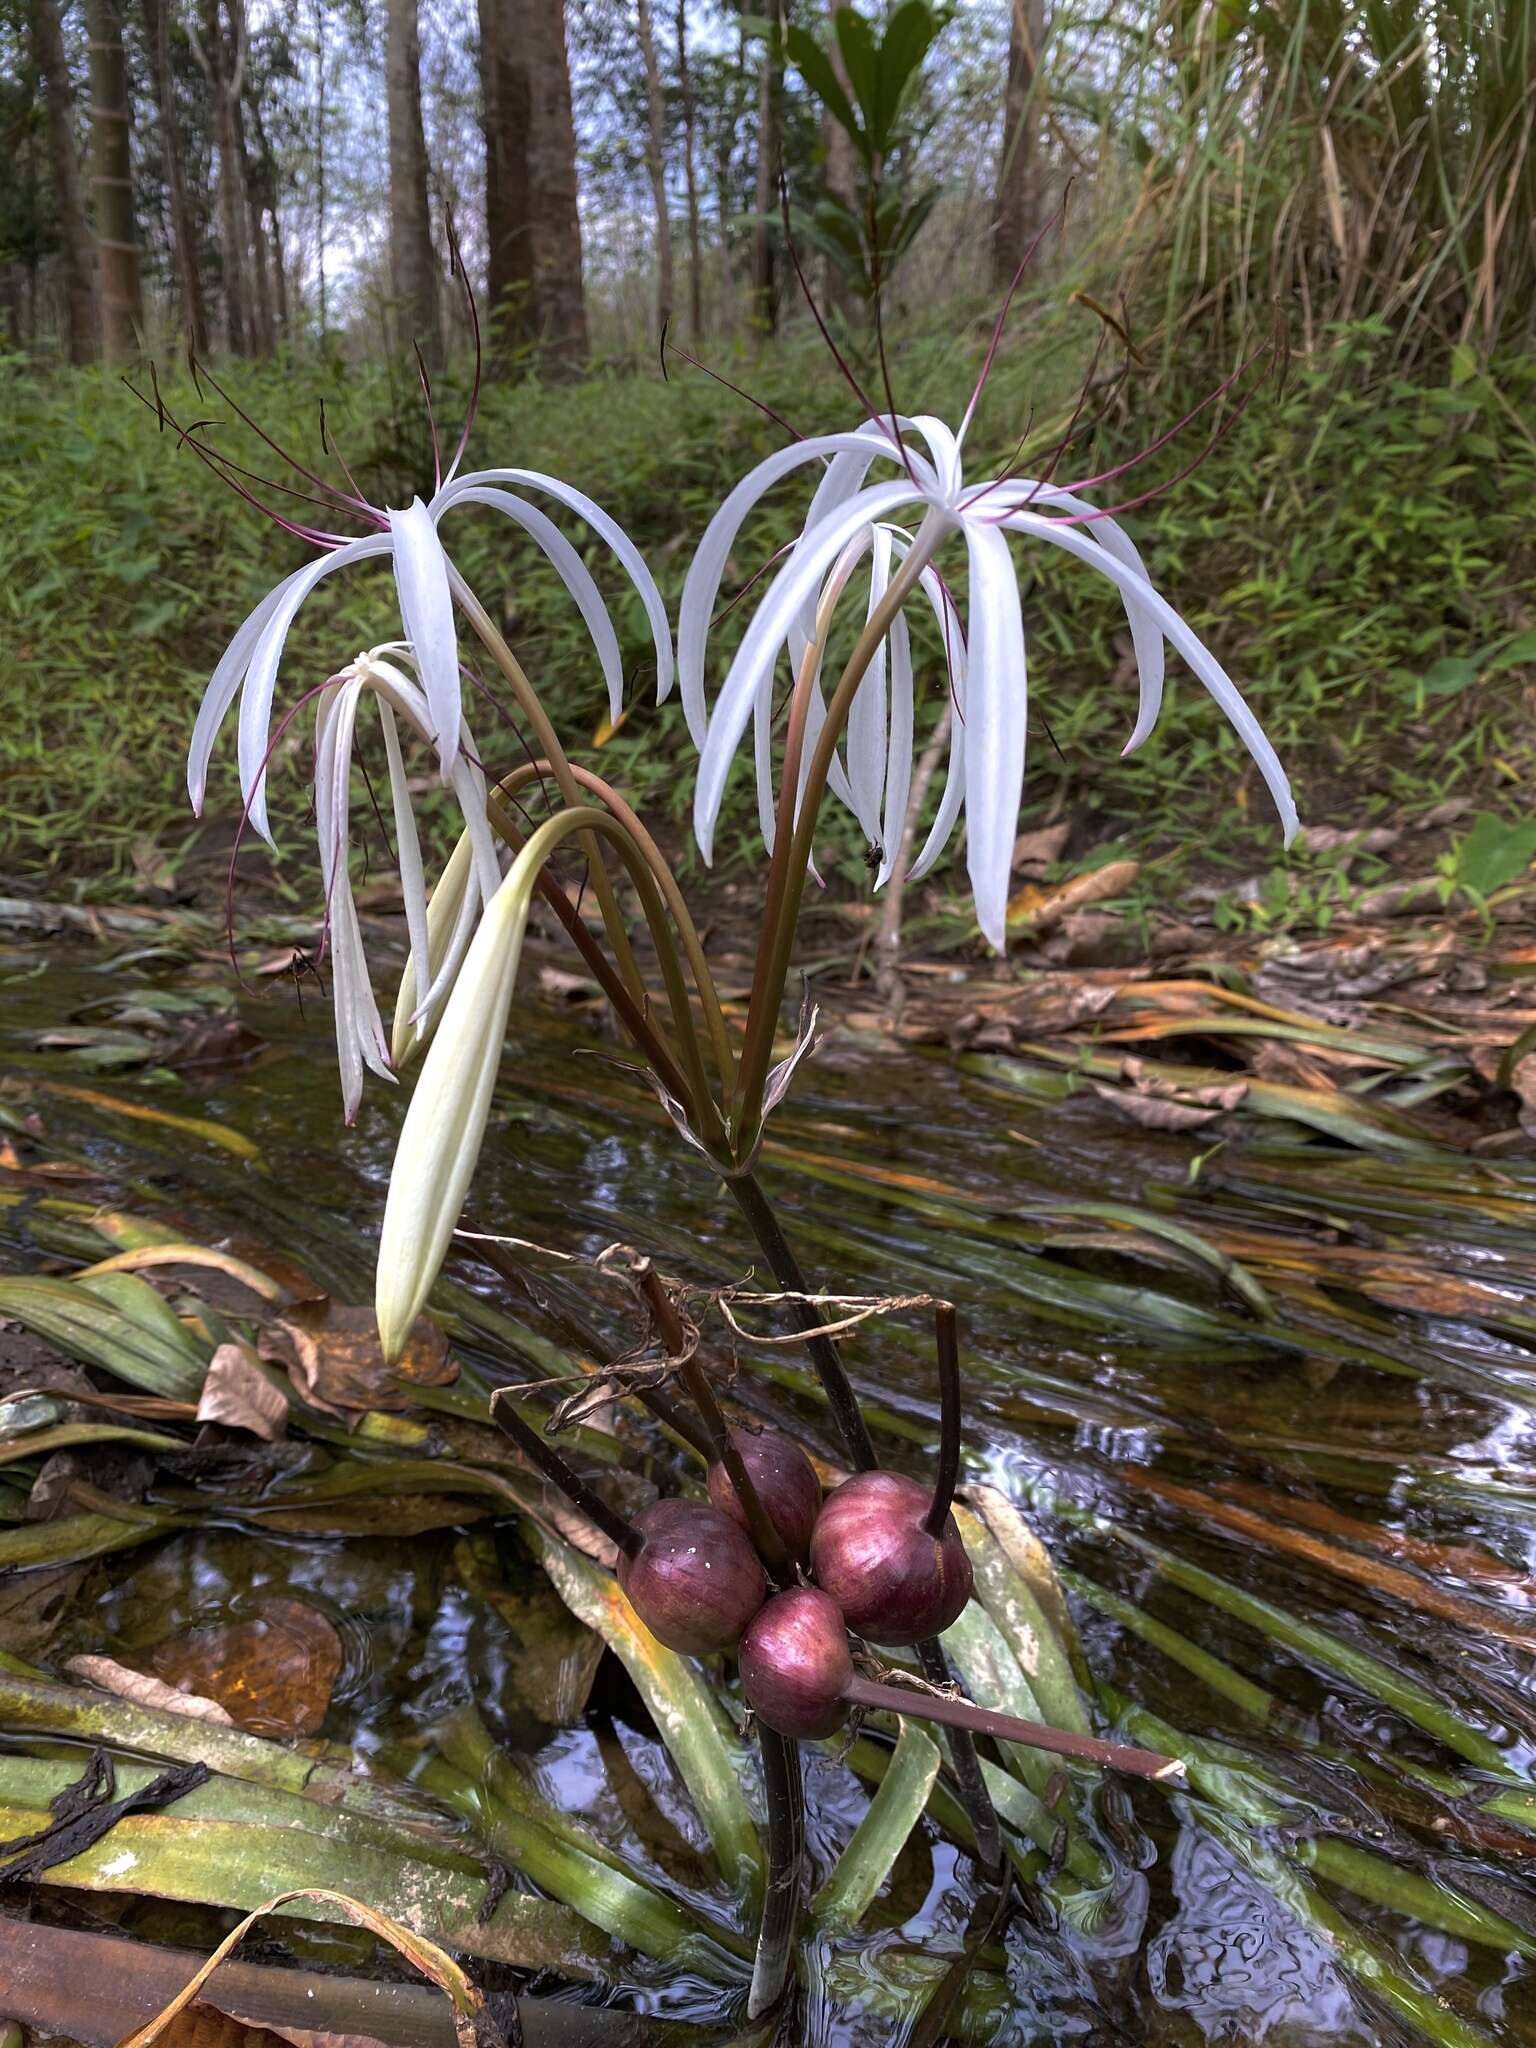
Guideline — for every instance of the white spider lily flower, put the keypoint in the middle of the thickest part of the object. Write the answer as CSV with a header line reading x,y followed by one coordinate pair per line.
x,y
425,583
995,703
360,1039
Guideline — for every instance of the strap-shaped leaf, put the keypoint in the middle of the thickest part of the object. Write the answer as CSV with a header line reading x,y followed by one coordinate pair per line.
x,y
682,1706
880,1836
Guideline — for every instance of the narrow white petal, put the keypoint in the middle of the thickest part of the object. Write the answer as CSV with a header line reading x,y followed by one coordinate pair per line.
x,y
866,728
426,609
702,586
628,555
997,705
573,573
758,652
418,998
413,881
762,760
220,693
1146,633
898,774
953,793
1188,643
261,677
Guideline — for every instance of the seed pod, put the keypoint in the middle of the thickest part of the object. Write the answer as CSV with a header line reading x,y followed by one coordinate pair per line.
x,y
693,1578
785,1482
796,1664
873,1553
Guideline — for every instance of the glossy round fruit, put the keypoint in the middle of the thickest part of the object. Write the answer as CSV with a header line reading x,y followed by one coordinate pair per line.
x,y
796,1663
894,1582
695,1580
785,1481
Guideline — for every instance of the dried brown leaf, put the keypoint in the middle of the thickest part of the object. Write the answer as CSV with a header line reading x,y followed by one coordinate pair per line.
x,y
272,1672
145,1690
332,1353
238,1394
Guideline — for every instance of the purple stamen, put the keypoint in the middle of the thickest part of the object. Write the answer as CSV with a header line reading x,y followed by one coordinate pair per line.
x,y
332,448
1058,219
1120,468
456,265
280,452
426,392
763,407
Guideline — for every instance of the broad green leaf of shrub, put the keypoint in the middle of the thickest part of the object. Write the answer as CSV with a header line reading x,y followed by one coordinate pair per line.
x,y
1494,852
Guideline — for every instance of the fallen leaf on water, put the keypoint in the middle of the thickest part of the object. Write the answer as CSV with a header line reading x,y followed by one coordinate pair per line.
x,y
238,1394
32,1604
1159,1105
332,1353
146,1691
375,1516
271,1673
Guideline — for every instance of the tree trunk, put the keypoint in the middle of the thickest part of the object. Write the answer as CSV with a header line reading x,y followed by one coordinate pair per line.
x,y
225,69
189,282
656,162
691,178
117,243
507,101
260,336
413,278
320,6
552,190
842,176
770,82
1015,213
81,311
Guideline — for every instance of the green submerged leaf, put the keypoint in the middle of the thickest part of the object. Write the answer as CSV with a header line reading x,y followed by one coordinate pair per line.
x,y
881,1835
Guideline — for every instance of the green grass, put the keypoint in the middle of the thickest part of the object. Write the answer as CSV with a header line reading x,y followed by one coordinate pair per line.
x,y
1359,551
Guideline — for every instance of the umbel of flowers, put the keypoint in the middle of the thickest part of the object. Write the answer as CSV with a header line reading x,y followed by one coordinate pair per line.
x,y
792,1585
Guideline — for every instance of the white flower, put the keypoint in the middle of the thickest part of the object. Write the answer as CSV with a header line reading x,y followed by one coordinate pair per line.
x,y
426,582
987,763
360,1038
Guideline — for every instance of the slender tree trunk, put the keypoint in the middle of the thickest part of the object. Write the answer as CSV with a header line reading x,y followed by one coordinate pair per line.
x,y
656,162
225,70
552,189
320,164
81,312
842,176
189,282
1016,207
507,101
770,82
261,336
413,278
690,177
117,242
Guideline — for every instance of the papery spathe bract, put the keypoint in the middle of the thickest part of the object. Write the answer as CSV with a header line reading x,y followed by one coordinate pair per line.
x,y
445,1123
844,509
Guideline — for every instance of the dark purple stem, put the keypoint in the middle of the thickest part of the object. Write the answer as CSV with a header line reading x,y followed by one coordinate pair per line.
x,y
616,1527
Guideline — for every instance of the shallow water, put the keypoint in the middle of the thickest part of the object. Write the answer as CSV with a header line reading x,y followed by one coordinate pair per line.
x,y
1391,1385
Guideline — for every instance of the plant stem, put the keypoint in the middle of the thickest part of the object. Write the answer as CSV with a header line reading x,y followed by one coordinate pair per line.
x,y
955,1713
684,1355
616,1527
974,1795
785,1795
672,895
577,1331
947,1337
785,1267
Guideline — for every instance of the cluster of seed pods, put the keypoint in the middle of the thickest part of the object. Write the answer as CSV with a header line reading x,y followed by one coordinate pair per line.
x,y
771,1569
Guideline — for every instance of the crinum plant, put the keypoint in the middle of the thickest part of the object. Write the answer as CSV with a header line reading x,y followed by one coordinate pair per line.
x,y
764,1568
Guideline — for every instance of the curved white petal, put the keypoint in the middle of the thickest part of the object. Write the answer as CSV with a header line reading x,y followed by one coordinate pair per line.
x,y
898,774
1018,494
220,693
1187,642
261,676
701,587
997,706
413,881
426,609
628,555
573,573
759,650
866,728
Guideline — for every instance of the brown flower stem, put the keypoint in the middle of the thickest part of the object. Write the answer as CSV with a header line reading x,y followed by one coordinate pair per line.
x,y
684,1355
616,1527
947,1338
955,1713
785,1267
